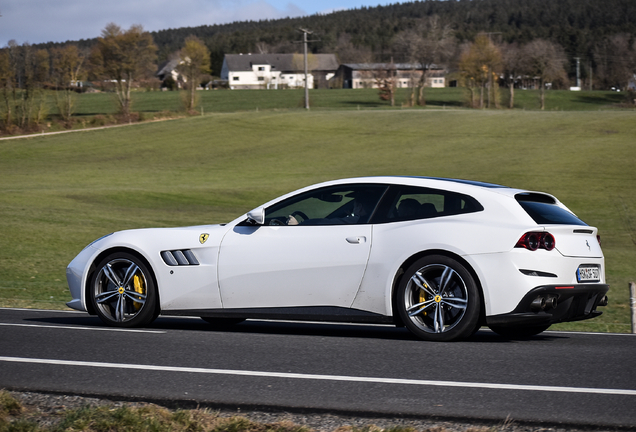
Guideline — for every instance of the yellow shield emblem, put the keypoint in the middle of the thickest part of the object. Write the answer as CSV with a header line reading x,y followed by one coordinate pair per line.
x,y
203,238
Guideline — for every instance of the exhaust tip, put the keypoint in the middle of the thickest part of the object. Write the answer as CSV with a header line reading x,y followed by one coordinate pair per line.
x,y
538,303
544,303
603,301
551,303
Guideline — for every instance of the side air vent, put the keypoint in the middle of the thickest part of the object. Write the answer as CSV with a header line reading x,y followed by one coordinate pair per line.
x,y
179,257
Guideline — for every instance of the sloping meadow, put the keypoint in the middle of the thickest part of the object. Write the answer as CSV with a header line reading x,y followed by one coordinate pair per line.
x,y
60,192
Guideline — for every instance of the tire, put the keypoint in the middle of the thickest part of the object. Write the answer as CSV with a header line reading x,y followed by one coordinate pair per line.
x,y
223,322
438,299
123,292
519,332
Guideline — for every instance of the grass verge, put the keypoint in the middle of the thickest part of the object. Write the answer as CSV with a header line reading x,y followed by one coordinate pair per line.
x,y
102,416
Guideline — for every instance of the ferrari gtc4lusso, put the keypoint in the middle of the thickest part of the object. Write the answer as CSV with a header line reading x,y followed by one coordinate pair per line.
x,y
439,256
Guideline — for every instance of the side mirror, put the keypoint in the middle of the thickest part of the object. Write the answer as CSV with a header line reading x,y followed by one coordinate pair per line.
x,y
257,216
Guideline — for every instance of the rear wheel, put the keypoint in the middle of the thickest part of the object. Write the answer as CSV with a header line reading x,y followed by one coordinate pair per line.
x,y
438,299
519,332
123,291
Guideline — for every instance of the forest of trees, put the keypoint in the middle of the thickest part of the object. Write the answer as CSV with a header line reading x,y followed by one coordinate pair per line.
x,y
479,41
582,27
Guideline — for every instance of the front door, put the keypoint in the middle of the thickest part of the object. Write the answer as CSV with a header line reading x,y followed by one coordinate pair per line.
x,y
311,251
278,266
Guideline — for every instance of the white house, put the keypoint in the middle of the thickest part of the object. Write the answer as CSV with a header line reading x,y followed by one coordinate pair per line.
x,y
271,71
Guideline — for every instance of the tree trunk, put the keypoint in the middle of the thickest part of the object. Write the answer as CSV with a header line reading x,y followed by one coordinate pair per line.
x,y
511,86
421,100
7,99
542,94
490,88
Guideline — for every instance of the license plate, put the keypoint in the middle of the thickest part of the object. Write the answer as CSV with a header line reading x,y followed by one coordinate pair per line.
x,y
588,274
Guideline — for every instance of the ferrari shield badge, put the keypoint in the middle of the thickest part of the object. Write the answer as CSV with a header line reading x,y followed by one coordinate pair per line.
x,y
203,238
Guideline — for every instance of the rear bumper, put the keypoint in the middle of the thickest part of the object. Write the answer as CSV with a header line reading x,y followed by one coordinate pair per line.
x,y
573,303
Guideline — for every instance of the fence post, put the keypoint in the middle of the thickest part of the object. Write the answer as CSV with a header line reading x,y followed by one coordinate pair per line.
x,y
632,304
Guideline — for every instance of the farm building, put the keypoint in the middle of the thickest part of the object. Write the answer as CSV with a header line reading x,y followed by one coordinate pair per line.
x,y
272,71
365,75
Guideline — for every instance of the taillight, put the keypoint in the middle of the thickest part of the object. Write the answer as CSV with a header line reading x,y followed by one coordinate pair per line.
x,y
598,238
537,240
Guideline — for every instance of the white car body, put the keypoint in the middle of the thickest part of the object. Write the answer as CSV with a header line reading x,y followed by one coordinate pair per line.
x,y
349,272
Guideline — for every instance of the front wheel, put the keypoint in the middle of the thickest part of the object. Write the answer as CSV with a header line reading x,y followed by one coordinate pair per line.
x,y
438,299
123,291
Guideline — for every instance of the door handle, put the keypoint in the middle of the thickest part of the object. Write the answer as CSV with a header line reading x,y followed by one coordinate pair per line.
x,y
356,239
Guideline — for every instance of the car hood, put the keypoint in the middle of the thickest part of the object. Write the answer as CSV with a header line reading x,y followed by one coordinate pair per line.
x,y
157,239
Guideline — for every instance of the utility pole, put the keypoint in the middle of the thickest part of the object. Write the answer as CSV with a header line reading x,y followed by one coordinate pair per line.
x,y
578,71
304,42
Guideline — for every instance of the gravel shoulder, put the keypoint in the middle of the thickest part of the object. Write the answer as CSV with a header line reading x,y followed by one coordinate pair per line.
x,y
47,409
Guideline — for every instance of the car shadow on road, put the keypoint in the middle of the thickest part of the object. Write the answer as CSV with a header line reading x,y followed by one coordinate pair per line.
x,y
296,328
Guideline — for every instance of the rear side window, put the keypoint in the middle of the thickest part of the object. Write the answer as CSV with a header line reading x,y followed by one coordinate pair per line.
x,y
403,203
544,210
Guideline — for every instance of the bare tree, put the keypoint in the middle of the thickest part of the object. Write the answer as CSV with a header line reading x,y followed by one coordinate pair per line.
x,y
67,67
406,46
123,57
430,44
437,47
546,61
194,61
511,57
615,57
29,68
385,81
8,85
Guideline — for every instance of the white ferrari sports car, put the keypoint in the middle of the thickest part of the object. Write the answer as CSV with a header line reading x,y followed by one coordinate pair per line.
x,y
439,256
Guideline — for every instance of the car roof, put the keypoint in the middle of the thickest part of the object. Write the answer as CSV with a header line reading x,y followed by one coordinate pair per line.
x,y
458,185
469,182
477,189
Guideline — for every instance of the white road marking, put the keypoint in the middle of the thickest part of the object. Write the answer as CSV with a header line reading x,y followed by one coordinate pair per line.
x,y
83,328
43,310
496,386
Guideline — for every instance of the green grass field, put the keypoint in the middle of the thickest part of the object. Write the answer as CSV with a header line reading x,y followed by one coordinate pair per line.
x,y
91,104
59,192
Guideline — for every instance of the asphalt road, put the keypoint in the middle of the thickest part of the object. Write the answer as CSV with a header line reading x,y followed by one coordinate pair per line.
x,y
554,378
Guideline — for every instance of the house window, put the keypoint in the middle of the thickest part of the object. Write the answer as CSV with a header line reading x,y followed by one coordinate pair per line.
x,y
261,78
261,68
235,78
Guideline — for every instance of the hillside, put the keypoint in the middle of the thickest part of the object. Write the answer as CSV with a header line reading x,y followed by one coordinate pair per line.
x,y
577,25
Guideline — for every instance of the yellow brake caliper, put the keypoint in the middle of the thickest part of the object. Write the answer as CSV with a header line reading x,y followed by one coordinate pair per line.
x,y
423,299
138,283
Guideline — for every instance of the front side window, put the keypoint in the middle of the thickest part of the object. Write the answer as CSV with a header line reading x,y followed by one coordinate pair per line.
x,y
404,203
333,205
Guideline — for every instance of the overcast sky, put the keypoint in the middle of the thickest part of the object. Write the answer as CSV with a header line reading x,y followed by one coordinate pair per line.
x,y
37,21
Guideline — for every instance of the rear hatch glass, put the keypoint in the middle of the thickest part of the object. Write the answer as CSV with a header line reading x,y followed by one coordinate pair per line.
x,y
545,211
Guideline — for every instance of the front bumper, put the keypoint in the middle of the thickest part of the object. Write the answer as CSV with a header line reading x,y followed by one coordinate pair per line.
x,y
564,303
